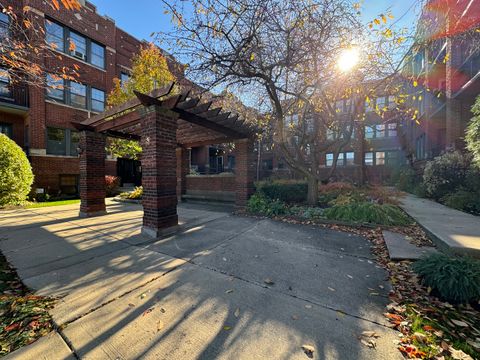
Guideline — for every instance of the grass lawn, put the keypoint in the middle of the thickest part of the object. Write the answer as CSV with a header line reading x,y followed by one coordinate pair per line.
x,y
52,203
24,317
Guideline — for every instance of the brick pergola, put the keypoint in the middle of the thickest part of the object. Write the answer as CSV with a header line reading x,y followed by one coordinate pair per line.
x,y
164,124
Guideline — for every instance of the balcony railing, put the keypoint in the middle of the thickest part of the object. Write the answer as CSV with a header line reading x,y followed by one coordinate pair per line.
x,y
13,95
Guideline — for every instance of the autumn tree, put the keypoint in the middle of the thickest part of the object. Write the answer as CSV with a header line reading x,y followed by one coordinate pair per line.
x,y
285,54
23,43
150,70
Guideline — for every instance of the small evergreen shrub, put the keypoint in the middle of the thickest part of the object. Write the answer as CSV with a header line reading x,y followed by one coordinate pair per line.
x,y
404,178
136,194
445,174
259,204
453,279
285,191
368,212
463,200
111,185
16,175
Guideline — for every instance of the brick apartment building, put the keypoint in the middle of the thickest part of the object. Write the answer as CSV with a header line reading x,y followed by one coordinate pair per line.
x,y
447,68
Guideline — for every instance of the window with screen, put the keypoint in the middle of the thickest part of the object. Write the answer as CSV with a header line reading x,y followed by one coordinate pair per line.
x,y
78,46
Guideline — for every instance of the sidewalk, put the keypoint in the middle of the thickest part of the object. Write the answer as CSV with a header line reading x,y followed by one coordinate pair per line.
x,y
449,228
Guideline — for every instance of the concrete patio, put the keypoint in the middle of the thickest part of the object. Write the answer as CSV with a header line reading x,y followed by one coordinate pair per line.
x,y
223,287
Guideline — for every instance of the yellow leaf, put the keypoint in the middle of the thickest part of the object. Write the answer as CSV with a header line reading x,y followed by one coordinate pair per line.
x,y
252,57
376,21
384,18
415,83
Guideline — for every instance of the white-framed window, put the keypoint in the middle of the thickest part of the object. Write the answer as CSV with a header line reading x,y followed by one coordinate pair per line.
x,y
380,158
329,159
369,158
380,130
392,129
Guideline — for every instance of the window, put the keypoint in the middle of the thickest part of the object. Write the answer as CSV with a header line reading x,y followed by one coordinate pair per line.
x,y
381,102
392,102
392,130
231,162
341,159
369,158
62,141
124,77
380,131
6,129
392,158
55,87
349,158
329,159
420,147
380,158
55,35
4,83
369,105
74,140
369,132
348,105
4,25
98,100
267,164
78,95
98,55
78,46
56,141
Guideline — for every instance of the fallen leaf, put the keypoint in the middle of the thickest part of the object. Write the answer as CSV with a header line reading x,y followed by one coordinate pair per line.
x,y
227,328
368,342
308,306
268,281
229,291
331,289
308,350
369,333
131,305
459,323
148,311
237,312
159,325
294,317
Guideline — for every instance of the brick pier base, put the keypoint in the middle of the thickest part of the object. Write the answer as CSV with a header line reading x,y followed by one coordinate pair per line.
x,y
92,174
159,171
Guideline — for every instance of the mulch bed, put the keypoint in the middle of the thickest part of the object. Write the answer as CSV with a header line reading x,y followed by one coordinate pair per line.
x,y
24,317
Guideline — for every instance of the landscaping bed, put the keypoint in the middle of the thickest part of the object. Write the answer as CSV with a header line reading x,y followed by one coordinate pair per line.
x,y
24,317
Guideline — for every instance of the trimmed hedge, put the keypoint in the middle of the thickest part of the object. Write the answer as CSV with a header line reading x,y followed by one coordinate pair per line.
x,y
16,177
289,192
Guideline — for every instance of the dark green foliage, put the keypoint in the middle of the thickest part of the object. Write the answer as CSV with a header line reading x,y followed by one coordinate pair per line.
x,y
445,174
289,192
16,175
472,136
463,200
367,212
260,205
454,279
404,178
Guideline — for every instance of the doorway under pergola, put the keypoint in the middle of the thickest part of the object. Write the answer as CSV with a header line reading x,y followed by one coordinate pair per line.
x,y
164,124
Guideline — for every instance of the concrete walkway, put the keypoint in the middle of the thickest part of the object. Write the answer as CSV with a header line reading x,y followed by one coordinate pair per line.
x,y
449,228
225,287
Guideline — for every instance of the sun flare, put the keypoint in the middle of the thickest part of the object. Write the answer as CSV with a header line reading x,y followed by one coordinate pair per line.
x,y
348,59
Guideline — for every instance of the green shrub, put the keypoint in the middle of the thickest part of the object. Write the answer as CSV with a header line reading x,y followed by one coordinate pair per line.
x,y
367,212
136,194
463,200
453,279
16,175
259,204
445,174
404,178
286,191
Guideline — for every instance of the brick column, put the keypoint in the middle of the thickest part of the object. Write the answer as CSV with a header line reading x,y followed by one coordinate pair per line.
x,y
92,174
183,169
159,170
244,171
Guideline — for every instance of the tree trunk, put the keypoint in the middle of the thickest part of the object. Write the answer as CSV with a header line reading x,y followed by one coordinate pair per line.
x,y
312,196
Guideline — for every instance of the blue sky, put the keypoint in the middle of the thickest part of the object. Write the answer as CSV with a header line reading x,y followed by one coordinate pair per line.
x,y
142,17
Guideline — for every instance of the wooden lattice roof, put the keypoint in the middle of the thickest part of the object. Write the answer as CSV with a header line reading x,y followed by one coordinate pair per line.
x,y
198,123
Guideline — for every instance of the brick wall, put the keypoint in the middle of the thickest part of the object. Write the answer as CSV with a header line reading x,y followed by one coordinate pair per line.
x,y
223,183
